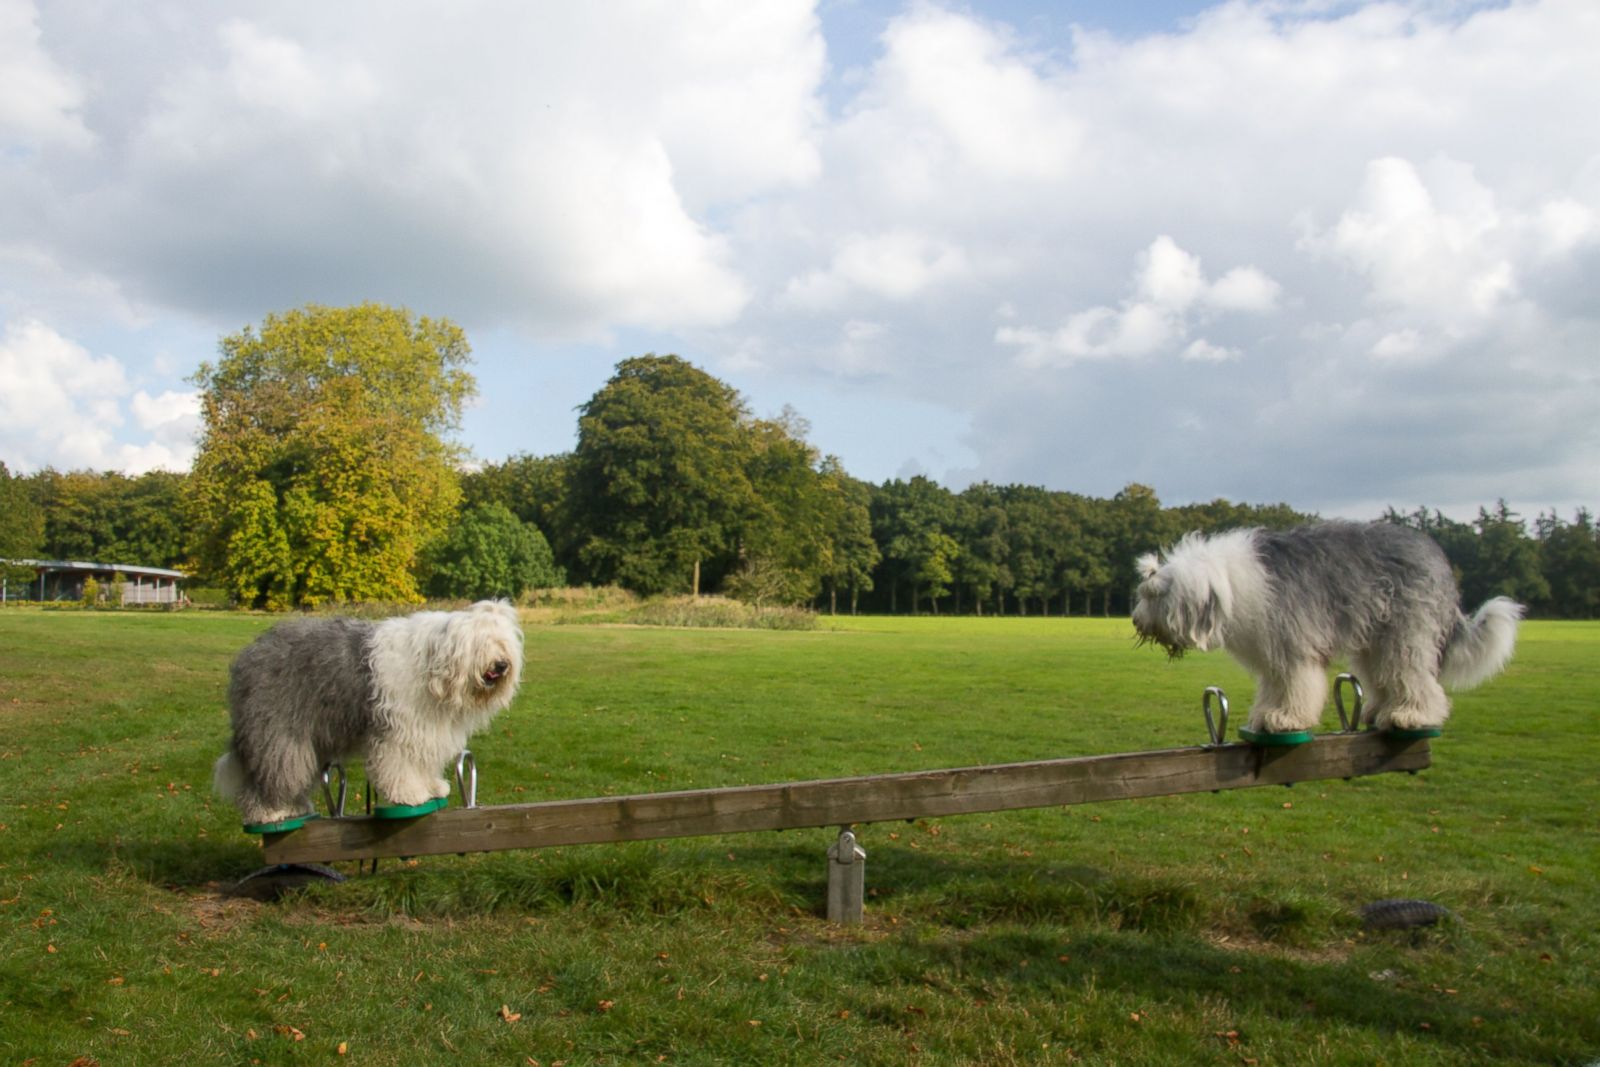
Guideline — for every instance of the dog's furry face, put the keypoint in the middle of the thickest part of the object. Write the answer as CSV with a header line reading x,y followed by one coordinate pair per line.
x,y
475,657
1182,600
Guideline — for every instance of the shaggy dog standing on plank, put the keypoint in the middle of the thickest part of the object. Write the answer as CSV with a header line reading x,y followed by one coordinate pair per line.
x,y
1284,603
403,694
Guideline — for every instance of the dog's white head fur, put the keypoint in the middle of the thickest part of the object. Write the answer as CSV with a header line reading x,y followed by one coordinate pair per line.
x,y
470,661
1187,596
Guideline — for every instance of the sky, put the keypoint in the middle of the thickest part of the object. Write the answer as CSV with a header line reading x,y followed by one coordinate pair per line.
x,y
1338,255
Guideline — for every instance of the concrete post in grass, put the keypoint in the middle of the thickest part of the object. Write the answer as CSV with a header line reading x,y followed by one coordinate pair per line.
x,y
847,879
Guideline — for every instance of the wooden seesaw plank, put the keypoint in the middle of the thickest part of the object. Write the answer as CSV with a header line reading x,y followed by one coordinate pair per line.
x,y
846,801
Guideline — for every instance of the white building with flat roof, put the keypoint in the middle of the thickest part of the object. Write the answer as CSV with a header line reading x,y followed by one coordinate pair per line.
x,y
62,579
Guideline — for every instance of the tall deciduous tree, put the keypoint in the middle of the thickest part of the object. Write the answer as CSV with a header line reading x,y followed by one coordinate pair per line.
x,y
853,554
659,477
113,518
323,470
1570,555
909,519
21,519
786,539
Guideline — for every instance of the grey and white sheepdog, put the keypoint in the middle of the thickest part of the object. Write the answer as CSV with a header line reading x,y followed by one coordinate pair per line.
x,y
403,694
1284,604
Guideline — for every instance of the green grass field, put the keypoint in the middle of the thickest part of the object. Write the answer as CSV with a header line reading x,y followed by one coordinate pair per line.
x,y
1194,929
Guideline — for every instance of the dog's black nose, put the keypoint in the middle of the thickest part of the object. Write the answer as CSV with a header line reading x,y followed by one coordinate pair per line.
x,y
501,666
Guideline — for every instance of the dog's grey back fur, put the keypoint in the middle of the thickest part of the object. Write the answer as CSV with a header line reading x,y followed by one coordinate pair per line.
x,y
306,678
1358,584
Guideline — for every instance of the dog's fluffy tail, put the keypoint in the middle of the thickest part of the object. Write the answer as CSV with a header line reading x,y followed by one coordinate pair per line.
x,y
1481,646
227,777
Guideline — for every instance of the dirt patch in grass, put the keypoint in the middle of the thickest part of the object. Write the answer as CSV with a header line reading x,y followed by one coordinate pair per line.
x,y
1249,943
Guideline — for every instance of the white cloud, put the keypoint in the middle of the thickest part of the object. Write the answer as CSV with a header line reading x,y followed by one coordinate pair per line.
x,y
1244,289
40,103
1407,344
1170,295
552,167
892,266
61,406
1203,351
57,402
1366,232
1432,247
961,80
1169,277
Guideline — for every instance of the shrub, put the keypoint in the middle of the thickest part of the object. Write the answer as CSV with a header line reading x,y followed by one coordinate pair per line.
x,y
719,612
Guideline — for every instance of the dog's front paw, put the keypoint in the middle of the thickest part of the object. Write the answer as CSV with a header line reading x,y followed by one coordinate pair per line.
x,y
408,795
441,787
1280,721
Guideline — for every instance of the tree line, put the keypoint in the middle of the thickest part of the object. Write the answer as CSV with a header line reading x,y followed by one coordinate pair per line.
x,y
325,474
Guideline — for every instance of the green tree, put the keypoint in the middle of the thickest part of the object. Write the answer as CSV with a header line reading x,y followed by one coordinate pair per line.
x,y
113,518
658,479
323,472
1507,561
489,552
21,518
534,488
909,520
785,539
1030,547
1570,556
935,557
981,529
1134,524
853,554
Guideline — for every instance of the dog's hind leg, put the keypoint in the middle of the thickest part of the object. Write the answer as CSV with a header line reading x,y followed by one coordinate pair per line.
x,y
278,781
1402,684
1293,702
1419,703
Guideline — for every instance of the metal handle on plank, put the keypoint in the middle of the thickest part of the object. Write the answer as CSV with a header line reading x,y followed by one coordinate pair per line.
x,y
334,800
1351,721
1216,727
467,778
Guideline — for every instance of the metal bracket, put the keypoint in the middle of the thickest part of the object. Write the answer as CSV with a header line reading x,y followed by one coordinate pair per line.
x,y
1348,722
467,778
335,800
1216,728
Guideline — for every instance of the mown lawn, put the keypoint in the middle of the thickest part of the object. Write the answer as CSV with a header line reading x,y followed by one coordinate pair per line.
x,y
1195,929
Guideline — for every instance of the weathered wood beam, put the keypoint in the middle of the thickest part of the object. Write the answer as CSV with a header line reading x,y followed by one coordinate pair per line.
x,y
847,801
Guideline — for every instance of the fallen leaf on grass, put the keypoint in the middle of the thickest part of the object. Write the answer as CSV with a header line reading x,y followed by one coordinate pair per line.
x,y
508,1015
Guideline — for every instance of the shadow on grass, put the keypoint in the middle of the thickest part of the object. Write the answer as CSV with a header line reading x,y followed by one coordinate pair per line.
x,y
1142,971
164,863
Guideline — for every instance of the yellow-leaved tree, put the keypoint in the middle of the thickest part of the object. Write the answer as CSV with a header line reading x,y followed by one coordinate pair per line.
x,y
323,468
